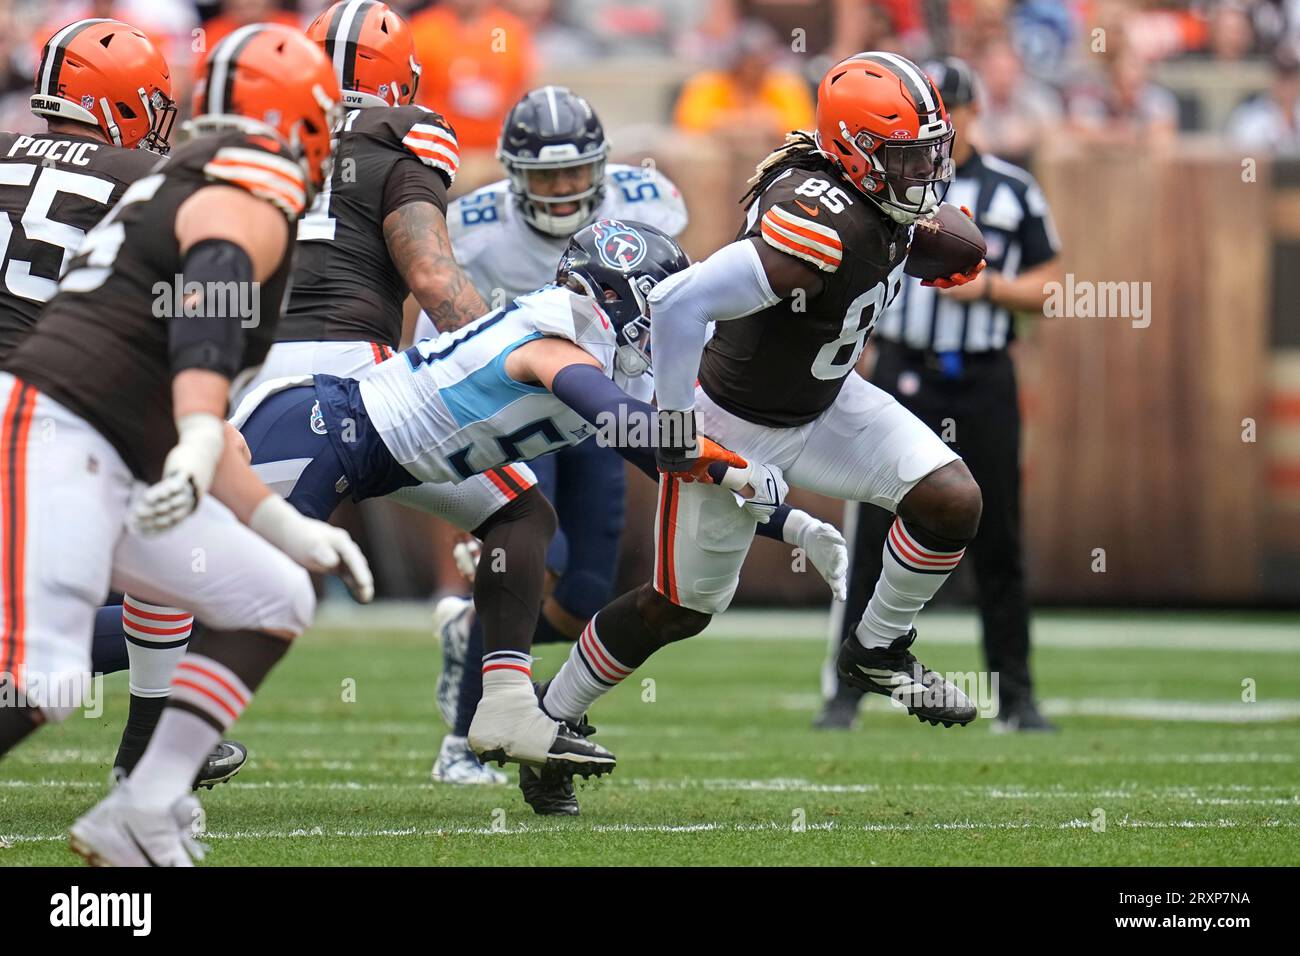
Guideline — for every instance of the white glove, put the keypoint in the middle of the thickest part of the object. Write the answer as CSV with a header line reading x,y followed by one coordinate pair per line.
x,y
187,475
770,489
314,544
824,546
465,554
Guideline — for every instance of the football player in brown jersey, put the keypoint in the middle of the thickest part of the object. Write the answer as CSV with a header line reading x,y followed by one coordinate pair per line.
x,y
169,298
378,230
106,94
794,298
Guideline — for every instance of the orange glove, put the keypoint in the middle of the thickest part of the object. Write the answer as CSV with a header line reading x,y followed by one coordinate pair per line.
x,y
710,453
957,278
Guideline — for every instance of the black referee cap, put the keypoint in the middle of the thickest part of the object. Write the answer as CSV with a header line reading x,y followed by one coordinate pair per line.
x,y
954,79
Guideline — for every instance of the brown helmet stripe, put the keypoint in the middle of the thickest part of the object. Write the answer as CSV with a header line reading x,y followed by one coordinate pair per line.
x,y
918,85
47,75
341,39
220,80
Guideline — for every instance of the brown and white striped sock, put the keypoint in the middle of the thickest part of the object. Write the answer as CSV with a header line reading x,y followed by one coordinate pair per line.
x,y
211,687
915,566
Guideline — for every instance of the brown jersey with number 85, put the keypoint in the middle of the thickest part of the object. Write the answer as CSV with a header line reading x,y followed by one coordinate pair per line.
x,y
784,365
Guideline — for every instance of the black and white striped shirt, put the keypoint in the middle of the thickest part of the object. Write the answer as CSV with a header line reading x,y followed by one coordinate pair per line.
x,y
1012,213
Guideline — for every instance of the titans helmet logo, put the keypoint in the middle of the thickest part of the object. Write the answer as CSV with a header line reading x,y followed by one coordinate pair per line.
x,y
619,246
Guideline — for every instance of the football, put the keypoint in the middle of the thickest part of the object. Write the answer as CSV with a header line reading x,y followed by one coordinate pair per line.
x,y
945,243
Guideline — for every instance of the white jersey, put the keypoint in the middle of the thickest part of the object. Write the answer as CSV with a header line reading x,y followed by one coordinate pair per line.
x,y
447,410
505,257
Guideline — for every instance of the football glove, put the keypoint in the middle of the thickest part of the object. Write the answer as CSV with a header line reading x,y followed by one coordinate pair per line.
x,y
681,452
768,486
956,279
314,544
824,546
187,475
466,553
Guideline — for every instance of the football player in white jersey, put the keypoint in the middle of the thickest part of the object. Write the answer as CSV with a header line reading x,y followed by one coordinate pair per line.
x,y
516,384
507,236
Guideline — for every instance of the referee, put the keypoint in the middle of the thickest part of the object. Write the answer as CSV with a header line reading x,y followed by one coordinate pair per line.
x,y
943,354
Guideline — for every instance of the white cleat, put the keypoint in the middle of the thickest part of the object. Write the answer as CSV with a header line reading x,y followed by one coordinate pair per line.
x,y
452,619
510,726
458,764
119,832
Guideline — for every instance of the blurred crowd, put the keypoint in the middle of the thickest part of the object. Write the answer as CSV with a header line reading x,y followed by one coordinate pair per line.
x,y
1099,72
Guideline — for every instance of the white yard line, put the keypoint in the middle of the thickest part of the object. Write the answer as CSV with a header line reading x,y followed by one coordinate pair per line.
x,y
1227,795
776,826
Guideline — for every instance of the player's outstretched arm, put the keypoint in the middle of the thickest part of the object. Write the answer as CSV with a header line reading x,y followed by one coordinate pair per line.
x,y
576,378
417,239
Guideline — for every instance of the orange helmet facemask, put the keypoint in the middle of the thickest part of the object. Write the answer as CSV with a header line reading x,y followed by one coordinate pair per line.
x,y
882,122
107,74
372,51
270,80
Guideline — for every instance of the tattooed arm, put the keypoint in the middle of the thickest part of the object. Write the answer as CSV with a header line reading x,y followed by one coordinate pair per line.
x,y
416,234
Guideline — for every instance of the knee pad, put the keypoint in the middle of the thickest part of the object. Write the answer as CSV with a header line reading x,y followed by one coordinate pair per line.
x,y
295,603
583,593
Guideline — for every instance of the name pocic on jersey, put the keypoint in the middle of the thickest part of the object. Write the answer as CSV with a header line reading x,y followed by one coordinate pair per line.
x,y
214,300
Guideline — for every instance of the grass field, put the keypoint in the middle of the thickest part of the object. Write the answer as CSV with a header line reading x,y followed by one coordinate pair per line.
x,y
722,766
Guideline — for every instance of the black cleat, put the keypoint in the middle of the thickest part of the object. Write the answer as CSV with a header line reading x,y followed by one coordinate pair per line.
x,y
839,712
895,673
548,791
1022,716
226,760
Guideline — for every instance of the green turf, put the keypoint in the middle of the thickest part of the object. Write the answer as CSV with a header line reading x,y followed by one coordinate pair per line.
x,y
721,766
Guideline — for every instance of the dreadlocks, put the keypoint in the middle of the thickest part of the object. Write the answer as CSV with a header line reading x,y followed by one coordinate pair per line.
x,y
799,149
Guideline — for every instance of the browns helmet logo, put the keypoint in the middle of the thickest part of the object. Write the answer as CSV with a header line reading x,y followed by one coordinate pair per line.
x,y
619,246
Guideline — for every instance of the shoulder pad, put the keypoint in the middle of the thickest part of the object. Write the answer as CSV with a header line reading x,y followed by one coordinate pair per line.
x,y
813,215
796,234
261,172
647,195
429,138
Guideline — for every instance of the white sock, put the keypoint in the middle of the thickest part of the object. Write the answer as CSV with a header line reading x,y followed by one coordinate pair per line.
x,y
912,575
156,640
590,672
207,697
180,744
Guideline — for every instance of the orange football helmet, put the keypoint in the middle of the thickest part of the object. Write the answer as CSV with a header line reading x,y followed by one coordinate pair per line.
x,y
372,50
270,80
881,120
107,74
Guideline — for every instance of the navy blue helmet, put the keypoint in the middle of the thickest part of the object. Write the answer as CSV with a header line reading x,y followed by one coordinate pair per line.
x,y
552,135
617,263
